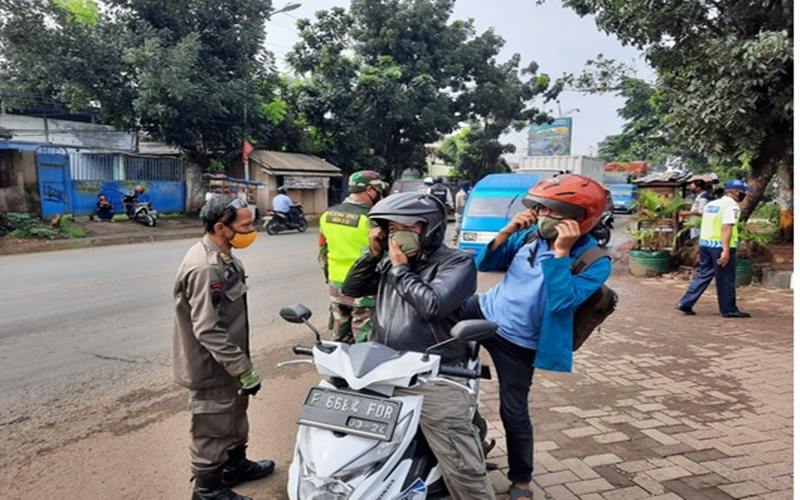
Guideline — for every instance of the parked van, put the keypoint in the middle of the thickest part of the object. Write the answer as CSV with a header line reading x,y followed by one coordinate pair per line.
x,y
492,203
623,197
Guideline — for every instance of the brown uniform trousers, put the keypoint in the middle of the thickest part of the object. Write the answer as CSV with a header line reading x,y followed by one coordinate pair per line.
x,y
447,423
211,350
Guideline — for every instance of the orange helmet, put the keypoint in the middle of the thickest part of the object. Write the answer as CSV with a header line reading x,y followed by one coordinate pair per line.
x,y
571,195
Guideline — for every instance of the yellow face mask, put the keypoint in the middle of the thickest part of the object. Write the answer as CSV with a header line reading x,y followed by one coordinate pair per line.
x,y
243,240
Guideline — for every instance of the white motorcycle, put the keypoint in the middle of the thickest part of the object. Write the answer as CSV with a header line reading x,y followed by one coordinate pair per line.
x,y
356,438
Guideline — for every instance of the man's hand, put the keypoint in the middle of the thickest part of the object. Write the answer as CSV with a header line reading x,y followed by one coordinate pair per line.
x,y
376,237
724,258
251,382
568,233
523,220
396,254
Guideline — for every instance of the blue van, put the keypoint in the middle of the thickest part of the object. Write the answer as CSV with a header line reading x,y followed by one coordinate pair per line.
x,y
623,196
493,201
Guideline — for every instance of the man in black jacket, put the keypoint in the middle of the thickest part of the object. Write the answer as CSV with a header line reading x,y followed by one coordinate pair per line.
x,y
420,286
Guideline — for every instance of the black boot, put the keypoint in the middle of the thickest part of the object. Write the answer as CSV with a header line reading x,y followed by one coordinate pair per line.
x,y
238,469
210,487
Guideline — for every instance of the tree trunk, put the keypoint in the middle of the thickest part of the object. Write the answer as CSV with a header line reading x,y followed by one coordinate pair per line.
x,y
763,167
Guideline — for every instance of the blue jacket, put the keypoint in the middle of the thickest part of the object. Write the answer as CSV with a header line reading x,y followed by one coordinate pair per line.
x,y
564,293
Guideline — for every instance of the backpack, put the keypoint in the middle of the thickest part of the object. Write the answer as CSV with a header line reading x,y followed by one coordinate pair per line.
x,y
599,306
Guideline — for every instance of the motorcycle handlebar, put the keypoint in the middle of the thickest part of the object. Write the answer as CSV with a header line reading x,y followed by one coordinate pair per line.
x,y
454,371
301,350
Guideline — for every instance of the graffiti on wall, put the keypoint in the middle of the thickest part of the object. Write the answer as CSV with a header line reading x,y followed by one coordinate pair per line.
x,y
54,194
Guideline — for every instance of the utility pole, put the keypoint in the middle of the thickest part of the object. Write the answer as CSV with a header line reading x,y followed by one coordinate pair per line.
x,y
247,158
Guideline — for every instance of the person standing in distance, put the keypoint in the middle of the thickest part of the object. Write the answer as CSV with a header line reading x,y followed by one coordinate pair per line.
x,y
461,203
211,351
719,237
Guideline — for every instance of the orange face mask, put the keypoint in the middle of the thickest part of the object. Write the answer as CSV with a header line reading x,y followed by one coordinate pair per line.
x,y
243,240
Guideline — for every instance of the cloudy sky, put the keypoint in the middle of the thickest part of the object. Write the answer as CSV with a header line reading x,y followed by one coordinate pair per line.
x,y
553,36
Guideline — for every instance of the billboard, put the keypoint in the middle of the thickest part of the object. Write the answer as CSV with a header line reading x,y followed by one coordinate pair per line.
x,y
551,139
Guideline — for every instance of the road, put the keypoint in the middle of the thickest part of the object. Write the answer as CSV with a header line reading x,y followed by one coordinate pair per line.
x,y
84,361
67,314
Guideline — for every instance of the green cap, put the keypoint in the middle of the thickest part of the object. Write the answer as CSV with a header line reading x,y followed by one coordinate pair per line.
x,y
361,180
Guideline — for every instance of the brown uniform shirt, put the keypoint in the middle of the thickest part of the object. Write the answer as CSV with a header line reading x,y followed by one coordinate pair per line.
x,y
210,345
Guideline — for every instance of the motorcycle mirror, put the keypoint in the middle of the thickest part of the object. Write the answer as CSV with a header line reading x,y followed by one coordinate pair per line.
x,y
295,313
468,330
473,330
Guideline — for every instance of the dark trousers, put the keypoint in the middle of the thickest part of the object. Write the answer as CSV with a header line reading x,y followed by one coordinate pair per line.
x,y
707,270
513,366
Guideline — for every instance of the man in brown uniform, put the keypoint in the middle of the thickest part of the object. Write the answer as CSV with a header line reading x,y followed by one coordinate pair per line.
x,y
211,351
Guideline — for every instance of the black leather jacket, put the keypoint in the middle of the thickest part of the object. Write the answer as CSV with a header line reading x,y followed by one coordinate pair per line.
x,y
416,305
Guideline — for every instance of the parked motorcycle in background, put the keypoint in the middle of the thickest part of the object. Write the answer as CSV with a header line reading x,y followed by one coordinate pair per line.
x,y
276,222
357,437
139,211
602,231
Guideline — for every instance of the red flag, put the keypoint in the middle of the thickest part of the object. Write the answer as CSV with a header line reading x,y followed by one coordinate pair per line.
x,y
247,148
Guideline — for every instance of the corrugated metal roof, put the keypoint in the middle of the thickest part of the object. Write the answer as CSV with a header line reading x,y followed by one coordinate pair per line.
x,y
280,163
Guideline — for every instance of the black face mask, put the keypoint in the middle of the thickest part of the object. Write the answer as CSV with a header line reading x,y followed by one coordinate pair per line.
x,y
740,197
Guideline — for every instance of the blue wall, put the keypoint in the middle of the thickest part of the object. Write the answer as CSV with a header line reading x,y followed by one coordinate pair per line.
x,y
166,196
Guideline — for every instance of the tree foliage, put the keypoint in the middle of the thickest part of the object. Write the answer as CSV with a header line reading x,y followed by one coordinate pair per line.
x,y
725,74
387,77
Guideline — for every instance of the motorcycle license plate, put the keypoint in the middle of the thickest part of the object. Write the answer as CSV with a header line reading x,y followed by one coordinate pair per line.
x,y
350,413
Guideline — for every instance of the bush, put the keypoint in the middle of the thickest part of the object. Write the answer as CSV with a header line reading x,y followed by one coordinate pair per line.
x,y
22,225
73,232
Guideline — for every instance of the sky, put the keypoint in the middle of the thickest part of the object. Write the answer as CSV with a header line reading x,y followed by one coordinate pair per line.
x,y
555,37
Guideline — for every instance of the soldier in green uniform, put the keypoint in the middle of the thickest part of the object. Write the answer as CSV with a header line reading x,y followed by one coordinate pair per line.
x,y
344,234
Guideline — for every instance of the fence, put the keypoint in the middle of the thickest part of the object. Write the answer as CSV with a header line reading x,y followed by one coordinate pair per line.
x,y
115,174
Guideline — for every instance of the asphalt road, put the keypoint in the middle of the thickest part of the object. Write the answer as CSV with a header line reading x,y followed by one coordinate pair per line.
x,y
70,315
78,315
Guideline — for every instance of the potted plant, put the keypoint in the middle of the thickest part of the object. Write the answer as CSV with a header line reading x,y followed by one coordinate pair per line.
x,y
654,219
748,241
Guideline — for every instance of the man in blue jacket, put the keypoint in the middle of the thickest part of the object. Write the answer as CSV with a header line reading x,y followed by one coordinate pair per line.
x,y
535,303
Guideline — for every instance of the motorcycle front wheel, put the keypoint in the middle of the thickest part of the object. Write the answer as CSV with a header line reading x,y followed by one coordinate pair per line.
x,y
150,221
273,227
302,225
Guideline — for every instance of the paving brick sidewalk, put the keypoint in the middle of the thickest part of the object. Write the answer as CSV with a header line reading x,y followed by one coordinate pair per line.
x,y
666,406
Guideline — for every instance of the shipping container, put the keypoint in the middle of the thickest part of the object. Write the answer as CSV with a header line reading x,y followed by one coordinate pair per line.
x,y
546,166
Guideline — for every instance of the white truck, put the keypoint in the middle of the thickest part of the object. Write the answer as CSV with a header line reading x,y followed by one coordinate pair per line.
x,y
547,166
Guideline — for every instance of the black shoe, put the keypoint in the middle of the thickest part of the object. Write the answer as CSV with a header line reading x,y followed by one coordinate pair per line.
x,y
238,469
211,488
736,314
685,310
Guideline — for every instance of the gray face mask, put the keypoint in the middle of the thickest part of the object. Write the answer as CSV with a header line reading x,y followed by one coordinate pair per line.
x,y
408,241
547,227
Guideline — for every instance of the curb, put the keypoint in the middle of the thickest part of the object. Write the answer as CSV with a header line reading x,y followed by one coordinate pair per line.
x,y
36,246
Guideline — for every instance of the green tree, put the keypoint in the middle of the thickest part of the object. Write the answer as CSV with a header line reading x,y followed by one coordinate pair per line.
x,y
391,76
188,72
196,67
724,74
64,55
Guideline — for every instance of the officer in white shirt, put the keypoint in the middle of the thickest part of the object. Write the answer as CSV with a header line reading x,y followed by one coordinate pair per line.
x,y
719,237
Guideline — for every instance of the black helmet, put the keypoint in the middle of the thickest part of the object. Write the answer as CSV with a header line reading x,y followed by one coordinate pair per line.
x,y
282,190
410,208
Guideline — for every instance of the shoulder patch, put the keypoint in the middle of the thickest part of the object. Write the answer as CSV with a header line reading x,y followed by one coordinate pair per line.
x,y
217,288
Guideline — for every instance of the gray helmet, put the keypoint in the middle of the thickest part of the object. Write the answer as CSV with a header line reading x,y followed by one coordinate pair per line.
x,y
410,208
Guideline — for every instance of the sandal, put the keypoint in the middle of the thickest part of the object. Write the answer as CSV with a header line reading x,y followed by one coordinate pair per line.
x,y
516,493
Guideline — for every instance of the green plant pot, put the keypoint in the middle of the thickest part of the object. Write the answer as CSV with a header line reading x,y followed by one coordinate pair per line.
x,y
641,263
744,271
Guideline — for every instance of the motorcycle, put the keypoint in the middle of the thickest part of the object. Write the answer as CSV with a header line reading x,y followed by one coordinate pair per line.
x,y
140,211
602,231
275,222
358,439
